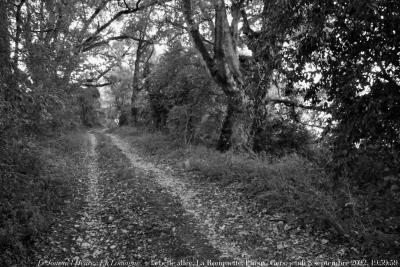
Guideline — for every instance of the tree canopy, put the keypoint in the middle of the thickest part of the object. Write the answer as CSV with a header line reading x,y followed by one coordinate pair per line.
x,y
267,78
312,65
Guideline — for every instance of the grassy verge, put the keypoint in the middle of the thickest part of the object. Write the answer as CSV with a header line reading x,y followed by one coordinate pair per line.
x,y
34,187
292,184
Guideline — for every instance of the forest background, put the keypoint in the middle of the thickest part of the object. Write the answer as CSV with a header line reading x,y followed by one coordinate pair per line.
x,y
299,101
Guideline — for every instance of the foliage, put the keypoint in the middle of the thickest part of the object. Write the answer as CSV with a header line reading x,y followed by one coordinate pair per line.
x,y
347,57
279,136
34,178
183,98
333,64
89,105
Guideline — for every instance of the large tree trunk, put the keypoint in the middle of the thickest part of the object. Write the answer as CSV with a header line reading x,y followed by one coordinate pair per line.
x,y
135,80
224,66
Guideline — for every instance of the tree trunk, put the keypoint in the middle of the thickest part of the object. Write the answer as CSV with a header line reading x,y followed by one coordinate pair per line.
x,y
6,79
135,80
233,125
18,29
4,40
225,138
224,66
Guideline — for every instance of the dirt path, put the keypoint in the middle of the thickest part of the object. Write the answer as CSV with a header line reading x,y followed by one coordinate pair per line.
x,y
131,212
124,217
186,196
226,220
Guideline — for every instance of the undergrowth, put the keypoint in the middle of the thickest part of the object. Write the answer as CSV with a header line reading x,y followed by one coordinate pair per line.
x,y
34,184
291,183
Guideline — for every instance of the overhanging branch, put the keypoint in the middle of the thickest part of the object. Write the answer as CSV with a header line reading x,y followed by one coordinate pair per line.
x,y
195,34
138,7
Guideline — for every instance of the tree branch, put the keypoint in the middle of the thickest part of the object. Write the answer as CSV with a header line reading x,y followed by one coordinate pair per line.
x,y
121,37
235,13
195,34
385,75
97,85
150,55
101,28
291,103
93,16
175,24
105,72
247,30
226,54
101,74
313,125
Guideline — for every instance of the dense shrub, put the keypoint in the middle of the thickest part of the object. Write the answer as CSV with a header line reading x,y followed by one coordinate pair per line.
x,y
182,97
34,183
279,136
89,106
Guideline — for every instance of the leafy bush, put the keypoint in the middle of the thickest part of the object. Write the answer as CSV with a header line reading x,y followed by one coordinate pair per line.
x,y
180,123
181,95
33,186
89,104
279,136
